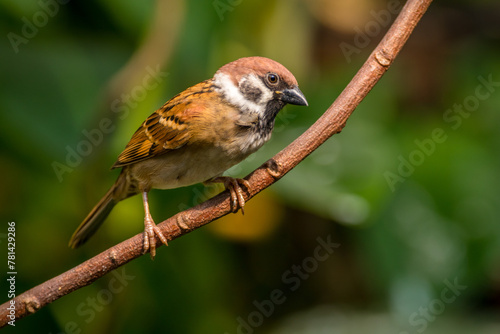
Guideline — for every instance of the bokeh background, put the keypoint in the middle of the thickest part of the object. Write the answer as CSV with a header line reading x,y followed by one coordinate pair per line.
x,y
392,226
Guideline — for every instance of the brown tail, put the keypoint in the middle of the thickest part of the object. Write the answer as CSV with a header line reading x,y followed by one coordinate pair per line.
x,y
100,212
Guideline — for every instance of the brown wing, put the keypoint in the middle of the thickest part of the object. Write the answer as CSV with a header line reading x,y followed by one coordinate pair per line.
x,y
167,128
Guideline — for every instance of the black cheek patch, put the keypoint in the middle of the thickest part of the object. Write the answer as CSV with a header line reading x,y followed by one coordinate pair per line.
x,y
250,92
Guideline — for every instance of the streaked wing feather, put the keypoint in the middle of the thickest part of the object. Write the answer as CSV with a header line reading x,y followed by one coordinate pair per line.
x,y
166,129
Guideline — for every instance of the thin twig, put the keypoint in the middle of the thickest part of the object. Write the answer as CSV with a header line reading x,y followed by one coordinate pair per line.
x,y
330,123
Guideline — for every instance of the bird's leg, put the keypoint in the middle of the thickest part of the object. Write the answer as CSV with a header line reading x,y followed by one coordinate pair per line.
x,y
150,230
233,185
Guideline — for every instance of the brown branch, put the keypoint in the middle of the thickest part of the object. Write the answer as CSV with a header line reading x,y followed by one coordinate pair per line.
x,y
330,123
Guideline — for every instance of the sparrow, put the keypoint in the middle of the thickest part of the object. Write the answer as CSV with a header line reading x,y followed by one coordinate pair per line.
x,y
196,136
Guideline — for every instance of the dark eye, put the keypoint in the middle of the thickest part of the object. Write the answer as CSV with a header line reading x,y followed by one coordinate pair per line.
x,y
273,78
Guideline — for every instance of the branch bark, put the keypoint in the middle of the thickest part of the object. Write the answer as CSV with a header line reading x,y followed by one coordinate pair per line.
x,y
330,123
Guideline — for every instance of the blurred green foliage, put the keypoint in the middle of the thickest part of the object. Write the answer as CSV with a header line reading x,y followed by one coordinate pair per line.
x,y
410,212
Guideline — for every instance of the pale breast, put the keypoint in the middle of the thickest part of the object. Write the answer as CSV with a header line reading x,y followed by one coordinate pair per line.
x,y
220,139
183,167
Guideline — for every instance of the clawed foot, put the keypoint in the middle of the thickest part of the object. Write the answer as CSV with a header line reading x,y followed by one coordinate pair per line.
x,y
233,185
150,231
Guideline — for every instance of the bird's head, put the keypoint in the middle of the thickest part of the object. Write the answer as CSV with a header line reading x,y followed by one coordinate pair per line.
x,y
258,85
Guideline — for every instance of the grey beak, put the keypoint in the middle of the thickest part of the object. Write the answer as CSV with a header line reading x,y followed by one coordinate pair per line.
x,y
294,96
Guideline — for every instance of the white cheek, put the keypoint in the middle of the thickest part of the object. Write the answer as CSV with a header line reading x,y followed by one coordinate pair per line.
x,y
235,97
266,94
